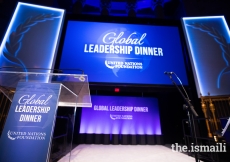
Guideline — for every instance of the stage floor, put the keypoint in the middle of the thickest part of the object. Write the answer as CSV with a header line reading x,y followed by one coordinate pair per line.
x,y
125,153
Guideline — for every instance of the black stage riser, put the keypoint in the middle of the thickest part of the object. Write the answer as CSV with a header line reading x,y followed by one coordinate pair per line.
x,y
120,139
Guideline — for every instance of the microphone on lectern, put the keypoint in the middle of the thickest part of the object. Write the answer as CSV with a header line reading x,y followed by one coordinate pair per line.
x,y
168,73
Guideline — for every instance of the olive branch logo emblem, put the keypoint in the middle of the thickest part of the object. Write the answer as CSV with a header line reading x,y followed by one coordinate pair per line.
x,y
13,45
220,39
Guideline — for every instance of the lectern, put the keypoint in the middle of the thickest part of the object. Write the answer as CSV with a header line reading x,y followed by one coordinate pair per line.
x,y
28,131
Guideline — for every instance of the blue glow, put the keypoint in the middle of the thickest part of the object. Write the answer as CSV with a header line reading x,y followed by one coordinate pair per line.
x,y
23,11
207,39
143,4
9,29
95,3
219,77
201,18
118,6
194,62
210,18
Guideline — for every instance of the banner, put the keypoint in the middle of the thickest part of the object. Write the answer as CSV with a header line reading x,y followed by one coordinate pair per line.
x,y
208,43
121,115
33,34
29,126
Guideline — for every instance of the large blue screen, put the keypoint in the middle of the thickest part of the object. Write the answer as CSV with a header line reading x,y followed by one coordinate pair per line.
x,y
123,53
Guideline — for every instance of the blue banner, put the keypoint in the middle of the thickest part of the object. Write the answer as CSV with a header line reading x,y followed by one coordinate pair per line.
x,y
121,115
208,40
33,34
29,126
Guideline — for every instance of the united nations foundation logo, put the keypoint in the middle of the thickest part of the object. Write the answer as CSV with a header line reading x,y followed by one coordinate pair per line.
x,y
121,117
13,135
9,135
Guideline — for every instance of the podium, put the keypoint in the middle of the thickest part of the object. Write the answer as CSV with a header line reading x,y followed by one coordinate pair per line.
x,y
35,98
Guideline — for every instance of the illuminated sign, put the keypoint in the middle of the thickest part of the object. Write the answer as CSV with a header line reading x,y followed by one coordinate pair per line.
x,y
208,40
31,38
121,115
123,53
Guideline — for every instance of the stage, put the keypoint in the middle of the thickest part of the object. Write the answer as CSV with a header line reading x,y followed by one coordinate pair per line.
x,y
125,153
